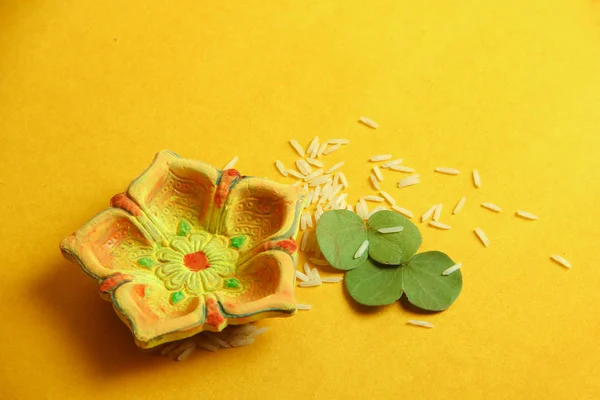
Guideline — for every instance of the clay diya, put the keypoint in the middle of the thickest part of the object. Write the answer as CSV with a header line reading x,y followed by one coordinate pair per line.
x,y
188,247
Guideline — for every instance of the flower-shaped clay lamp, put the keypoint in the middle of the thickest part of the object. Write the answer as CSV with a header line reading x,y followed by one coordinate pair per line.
x,y
189,248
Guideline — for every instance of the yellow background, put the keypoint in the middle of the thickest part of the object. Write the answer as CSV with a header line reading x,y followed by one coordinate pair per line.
x,y
90,90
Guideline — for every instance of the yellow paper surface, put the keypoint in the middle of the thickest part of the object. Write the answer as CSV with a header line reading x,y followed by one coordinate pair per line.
x,y
90,90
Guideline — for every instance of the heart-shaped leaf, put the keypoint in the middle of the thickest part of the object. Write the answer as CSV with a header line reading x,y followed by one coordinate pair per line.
x,y
373,284
340,233
392,248
424,284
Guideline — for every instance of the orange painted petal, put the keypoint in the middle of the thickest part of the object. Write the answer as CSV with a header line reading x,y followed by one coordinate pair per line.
x,y
261,210
173,188
146,308
110,242
268,281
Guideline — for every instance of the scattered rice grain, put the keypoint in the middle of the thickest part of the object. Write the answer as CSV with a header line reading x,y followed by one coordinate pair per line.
x,y
304,240
369,122
304,307
318,261
408,181
561,261
186,353
438,212
375,182
492,207
526,215
393,162
312,283
344,180
297,147
314,144
447,171
314,162
281,168
302,276
482,236
476,179
295,174
303,166
361,250
334,167
403,211
424,324
401,168
313,175
380,157
387,197
375,210
322,148
459,205
331,149
378,173
452,269
428,213
393,229
439,225
231,163
333,279
376,199
308,271
338,141
241,342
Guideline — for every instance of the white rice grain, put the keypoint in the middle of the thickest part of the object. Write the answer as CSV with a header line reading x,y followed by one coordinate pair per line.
x,y
482,236
309,221
281,168
317,194
393,229
375,210
241,342
295,174
361,250
438,212
313,175
402,168
314,162
423,324
391,163
344,180
303,166
314,144
231,163
452,269
316,275
428,213
561,261
216,339
375,182
476,179
376,199
408,181
304,240
331,149
387,197
378,173
304,307
332,279
297,147
403,211
319,180
439,225
318,261
447,171
338,141
459,205
207,346
350,208
492,207
369,122
312,283
308,271
334,167
380,157
302,276
322,148
526,215
186,353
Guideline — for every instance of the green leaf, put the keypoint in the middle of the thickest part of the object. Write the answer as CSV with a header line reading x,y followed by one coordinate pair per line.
x,y
392,248
183,228
374,284
340,233
147,262
424,284
238,241
176,297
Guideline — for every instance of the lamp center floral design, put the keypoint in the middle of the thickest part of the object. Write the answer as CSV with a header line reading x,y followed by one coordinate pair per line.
x,y
197,263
